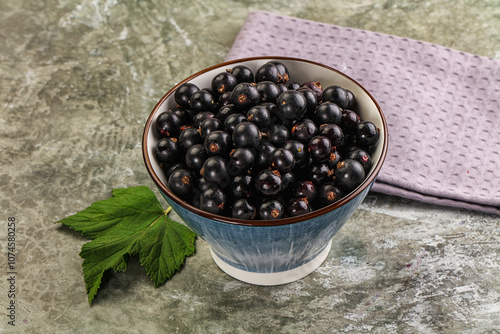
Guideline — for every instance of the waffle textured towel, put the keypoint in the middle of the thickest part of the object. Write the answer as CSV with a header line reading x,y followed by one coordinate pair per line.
x,y
442,106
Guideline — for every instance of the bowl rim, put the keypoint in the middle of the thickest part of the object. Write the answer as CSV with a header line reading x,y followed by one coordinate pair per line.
x,y
277,222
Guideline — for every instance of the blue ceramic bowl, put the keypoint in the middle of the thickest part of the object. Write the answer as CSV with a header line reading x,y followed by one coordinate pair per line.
x,y
276,251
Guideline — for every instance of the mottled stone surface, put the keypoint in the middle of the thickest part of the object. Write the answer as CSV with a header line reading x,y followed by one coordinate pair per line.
x,y
77,82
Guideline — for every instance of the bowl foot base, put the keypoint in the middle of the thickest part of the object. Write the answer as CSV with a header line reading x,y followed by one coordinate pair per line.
x,y
278,278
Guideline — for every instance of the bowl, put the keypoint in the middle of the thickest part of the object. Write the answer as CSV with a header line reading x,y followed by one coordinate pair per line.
x,y
270,252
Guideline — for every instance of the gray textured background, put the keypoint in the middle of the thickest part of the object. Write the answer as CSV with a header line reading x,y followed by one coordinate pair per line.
x,y
77,82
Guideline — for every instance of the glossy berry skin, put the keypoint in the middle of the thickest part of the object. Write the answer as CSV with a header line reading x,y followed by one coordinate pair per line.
x,y
333,159
172,168
316,87
189,137
202,100
181,183
224,112
333,132
168,124
291,106
213,200
244,96
223,82
289,180
298,149
243,209
214,170
366,134
272,209
340,96
272,71
183,94
320,148
320,173
242,186
240,160
242,73
328,112
283,160
305,189
210,125
298,206
246,135
362,157
278,134
260,116
167,151
233,120
263,154
269,182
201,117
311,99
304,130
349,174
204,185
349,121
292,85
218,143
195,157
328,193
268,90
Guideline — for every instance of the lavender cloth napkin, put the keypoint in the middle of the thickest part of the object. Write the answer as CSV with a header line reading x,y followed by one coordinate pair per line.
x,y
442,106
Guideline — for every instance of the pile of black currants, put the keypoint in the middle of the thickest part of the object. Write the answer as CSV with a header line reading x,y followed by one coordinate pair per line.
x,y
262,146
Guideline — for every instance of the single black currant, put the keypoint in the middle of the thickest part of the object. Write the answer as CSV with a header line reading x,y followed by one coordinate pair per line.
x,y
333,132
260,116
242,73
210,125
181,183
213,200
189,137
240,160
327,112
200,117
366,133
242,186
298,206
167,151
244,96
283,160
218,143
340,96
183,94
273,71
315,86
328,193
291,106
214,170
269,182
195,157
168,123
243,209
271,209
305,189
202,100
362,157
246,134
269,91
223,82
232,120
349,174
278,134
320,148
304,130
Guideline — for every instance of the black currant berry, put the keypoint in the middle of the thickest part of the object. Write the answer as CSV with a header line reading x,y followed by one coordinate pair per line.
x,y
349,122
214,170
189,137
340,96
260,116
311,99
213,200
168,124
349,174
223,82
304,130
366,133
327,112
202,100
305,189
291,106
218,143
320,148
269,91
224,112
283,160
240,160
242,186
333,132
210,125
269,182
298,149
233,120
273,71
244,96
298,206
181,183
243,209
246,134
167,151
272,209
183,94
328,193
315,86
195,157
263,154
362,157
320,173
242,73
278,134
200,117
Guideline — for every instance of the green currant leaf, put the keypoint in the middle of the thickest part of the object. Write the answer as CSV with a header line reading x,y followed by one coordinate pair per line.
x,y
132,222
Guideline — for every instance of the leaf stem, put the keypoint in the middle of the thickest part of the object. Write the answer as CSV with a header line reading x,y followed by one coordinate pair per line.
x,y
168,210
